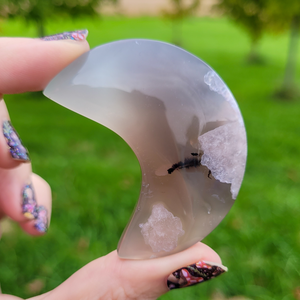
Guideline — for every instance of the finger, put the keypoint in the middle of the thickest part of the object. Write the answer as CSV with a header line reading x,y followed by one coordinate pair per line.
x,y
180,270
138,279
25,198
12,151
29,64
12,184
198,252
201,264
9,297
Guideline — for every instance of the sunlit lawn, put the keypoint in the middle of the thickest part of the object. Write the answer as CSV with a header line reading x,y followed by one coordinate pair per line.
x,y
95,177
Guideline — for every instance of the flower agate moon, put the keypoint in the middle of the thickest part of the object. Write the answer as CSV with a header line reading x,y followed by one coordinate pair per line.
x,y
184,126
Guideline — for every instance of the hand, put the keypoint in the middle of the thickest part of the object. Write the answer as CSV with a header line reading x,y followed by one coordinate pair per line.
x,y
26,198
27,65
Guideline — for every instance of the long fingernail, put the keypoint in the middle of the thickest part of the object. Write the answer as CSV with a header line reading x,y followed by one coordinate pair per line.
x,y
78,35
17,150
29,205
41,223
194,274
32,211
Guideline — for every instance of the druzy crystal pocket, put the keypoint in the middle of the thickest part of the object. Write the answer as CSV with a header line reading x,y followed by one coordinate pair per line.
x,y
184,126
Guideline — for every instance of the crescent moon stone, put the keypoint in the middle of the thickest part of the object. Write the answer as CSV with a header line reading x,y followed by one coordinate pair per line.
x,y
184,126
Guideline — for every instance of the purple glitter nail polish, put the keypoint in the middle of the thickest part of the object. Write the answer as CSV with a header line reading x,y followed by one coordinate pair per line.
x,y
29,205
78,35
41,223
17,150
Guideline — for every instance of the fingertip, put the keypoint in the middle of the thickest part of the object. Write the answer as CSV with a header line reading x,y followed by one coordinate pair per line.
x,y
197,252
29,64
207,253
13,181
193,266
9,297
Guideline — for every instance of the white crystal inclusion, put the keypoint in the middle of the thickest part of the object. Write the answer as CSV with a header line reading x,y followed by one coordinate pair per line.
x,y
162,229
225,151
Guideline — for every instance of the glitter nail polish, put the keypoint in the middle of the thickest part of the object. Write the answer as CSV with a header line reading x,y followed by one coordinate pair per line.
x,y
194,274
78,35
41,223
32,211
29,205
17,150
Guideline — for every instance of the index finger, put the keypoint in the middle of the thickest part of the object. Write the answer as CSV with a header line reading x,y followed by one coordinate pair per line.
x,y
29,64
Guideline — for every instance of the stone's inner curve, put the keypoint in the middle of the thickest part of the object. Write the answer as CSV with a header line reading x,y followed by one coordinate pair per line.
x,y
184,126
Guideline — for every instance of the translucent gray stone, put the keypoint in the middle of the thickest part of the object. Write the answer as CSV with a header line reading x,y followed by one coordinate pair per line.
x,y
184,126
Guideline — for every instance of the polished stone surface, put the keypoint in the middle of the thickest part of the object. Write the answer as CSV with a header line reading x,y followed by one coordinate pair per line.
x,y
184,126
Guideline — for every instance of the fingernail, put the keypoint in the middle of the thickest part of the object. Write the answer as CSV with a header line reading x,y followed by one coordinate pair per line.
x,y
32,211
29,205
194,274
17,150
78,35
41,223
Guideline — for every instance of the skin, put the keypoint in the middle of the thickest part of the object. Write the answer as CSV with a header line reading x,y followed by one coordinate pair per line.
x,y
28,65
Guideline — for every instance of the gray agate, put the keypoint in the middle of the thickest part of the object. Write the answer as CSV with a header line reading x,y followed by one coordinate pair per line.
x,y
184,126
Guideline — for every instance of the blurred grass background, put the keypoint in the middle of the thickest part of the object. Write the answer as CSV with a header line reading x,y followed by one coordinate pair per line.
x,y
95,177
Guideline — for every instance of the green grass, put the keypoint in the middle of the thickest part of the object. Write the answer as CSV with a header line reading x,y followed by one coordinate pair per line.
x,y
93,196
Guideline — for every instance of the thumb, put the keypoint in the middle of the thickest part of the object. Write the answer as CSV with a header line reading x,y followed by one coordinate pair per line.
x,y
111,277
194,265
29,64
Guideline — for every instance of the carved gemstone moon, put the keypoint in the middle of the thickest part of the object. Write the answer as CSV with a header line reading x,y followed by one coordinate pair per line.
x,y
184,126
